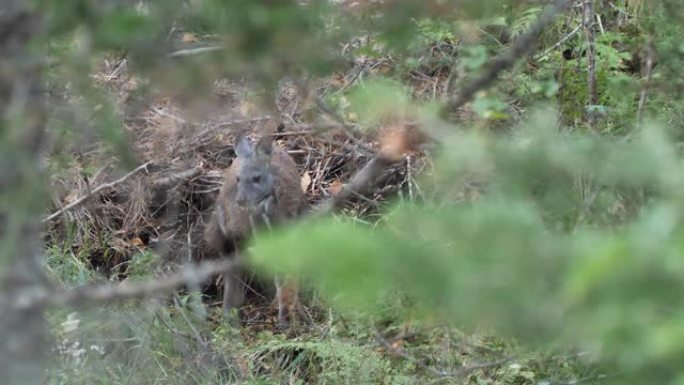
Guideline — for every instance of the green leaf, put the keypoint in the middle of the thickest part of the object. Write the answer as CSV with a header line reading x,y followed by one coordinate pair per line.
x,y
379,99
474,57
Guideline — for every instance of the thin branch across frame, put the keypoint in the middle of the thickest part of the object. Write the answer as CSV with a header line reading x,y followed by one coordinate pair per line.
x,y
137,170
521,47
99,293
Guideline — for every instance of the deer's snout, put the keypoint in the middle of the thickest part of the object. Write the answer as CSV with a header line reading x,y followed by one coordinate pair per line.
x,y
241,200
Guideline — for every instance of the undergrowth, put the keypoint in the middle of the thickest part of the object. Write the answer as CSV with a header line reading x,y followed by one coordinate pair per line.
x,y
175,344
507,189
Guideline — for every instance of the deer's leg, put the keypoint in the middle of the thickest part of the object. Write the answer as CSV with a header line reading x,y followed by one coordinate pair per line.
x,y
233,294
287,296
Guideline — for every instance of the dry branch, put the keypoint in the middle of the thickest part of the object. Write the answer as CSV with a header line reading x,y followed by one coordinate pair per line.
x,y
358,184
559,43
236,122
83,295
523,46
95,191
174,179
195,51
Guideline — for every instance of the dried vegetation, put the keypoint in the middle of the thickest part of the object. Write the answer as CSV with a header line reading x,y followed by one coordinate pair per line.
x,y
183,148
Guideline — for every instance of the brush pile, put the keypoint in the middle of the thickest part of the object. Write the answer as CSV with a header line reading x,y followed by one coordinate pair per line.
x,y
162,205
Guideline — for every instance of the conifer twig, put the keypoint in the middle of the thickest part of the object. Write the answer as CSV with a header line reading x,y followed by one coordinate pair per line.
x,y
101,293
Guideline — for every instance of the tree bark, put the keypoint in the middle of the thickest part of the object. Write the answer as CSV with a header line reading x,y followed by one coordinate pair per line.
x,y
589,20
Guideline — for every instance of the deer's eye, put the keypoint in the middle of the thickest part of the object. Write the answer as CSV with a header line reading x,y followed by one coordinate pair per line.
x,y
256,178
237,179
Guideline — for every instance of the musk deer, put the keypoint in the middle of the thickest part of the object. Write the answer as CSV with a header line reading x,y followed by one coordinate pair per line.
x,y
261,188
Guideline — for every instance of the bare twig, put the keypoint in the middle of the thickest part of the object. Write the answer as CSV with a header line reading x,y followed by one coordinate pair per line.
x,y
560,42
195,51
95,191
243,121
523,46
358,184
618,9
173,179
648,72
600,24
126,290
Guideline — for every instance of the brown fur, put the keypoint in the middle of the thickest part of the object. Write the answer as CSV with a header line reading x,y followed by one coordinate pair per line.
x,y
231,225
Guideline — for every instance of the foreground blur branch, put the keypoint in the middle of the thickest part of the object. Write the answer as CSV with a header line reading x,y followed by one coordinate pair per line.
x,y
90,294
521,47
22,121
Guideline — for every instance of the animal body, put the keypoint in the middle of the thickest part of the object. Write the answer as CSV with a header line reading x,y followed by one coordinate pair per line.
x,y
261,189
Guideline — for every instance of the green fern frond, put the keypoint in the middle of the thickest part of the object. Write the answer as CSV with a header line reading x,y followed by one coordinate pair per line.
x,y
524,20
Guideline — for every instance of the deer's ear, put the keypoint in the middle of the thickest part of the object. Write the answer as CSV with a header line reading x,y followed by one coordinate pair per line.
x,y
264,148
243,147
